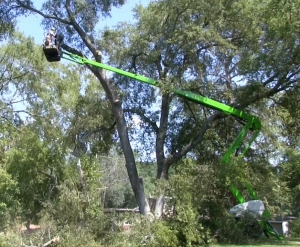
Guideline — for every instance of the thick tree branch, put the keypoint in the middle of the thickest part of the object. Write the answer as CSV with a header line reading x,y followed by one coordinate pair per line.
x,y
27,6
53,241
159,67
104,128
173,158
280,86
81,32
133,60
271,79
161,135
71,50
142,115
93,69
228,80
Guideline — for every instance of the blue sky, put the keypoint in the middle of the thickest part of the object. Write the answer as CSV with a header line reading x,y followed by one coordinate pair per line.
x,y
31,25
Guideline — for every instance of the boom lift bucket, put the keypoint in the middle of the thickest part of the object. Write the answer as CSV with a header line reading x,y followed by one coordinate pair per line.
x,y
52,53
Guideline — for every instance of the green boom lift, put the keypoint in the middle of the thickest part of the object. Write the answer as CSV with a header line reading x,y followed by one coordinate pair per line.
x,y
251,123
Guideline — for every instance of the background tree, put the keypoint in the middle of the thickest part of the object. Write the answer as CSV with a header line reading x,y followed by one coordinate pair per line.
x,y
77,22
9,203
223,50
201,52
43,111
203,47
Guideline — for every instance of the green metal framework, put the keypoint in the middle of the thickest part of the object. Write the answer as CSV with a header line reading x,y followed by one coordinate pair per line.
x,y
250,123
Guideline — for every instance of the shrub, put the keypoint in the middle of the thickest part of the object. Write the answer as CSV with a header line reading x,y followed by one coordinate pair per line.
x,y
295,228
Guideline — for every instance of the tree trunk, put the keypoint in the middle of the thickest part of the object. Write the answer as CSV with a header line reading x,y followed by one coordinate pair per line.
x,y
118,112
160,200
83,184
130,164
146,206
162,172
159,206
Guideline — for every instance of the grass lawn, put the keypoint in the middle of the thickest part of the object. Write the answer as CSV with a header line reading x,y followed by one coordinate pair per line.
x,y
265,242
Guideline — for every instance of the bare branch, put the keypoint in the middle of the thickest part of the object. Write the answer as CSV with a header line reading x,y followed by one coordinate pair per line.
x,y
81,32
173,158
133,61
71,50
270,79
142,115
26,6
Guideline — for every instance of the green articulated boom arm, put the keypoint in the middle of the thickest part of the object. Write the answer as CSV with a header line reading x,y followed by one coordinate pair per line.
x,y
250,122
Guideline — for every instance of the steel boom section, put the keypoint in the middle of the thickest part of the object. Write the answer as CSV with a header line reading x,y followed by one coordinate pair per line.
x,y
251,122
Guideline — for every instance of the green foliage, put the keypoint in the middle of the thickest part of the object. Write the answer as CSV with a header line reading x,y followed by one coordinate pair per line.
x,y
202,197
240,231
9,204
86,13
35,166
68,208
68,236
115,190
148,173
295,228
142,232
239,52
165,235
289,173
91,119
8,16
189,195
78,237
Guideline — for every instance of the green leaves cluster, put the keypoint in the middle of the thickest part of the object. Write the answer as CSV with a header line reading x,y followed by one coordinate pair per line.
x,y
9,204
242,53
44,107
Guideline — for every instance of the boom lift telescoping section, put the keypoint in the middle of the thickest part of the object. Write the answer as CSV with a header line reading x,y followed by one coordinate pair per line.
x,y
250,122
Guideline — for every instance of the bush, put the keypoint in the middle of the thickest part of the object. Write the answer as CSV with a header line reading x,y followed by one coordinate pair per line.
x,y
241,231
295,228
77,237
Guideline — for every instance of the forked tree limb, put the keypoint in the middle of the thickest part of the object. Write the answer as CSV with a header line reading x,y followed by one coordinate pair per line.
x,y
49,243
52,241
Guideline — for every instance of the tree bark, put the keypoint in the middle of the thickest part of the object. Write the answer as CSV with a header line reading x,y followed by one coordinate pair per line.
x,y
118,112
159,206
161,136
162,173
130,164
83,184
